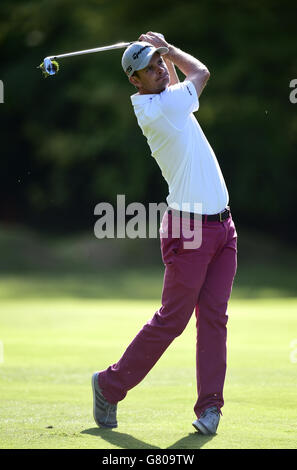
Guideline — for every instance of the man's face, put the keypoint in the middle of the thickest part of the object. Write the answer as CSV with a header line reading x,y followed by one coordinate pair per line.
x,y
152,79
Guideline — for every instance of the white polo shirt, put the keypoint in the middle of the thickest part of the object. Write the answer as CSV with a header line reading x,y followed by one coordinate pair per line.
x,y
181,149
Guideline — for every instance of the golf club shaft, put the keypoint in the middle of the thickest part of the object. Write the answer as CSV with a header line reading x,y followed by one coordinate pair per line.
x,y
91,51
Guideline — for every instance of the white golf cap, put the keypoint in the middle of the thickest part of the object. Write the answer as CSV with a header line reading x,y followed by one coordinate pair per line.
x,y
138,55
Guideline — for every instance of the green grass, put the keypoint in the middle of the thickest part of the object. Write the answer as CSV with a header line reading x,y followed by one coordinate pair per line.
x,y
69,307
52,347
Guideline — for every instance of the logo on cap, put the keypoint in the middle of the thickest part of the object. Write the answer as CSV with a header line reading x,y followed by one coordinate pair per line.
x,y
136,54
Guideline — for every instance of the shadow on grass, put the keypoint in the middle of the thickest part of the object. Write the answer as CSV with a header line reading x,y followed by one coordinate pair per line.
x,y
126,441
193,440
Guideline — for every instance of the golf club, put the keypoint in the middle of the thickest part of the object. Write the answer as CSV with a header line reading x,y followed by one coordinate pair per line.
x,y
50,66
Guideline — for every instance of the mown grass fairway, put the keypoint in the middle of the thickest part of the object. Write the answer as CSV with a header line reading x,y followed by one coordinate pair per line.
x,y
52,345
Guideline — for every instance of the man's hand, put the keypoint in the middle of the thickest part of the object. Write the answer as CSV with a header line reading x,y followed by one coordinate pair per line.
x,y
156,39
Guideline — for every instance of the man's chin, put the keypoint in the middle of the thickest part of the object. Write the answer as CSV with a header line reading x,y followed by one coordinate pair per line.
x,y
164,88
163,84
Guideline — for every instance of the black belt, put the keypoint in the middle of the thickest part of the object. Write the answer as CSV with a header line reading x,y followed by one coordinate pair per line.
x,y
220,217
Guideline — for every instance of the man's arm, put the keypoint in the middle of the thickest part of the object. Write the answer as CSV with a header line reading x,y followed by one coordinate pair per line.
x,y
172,72
192,68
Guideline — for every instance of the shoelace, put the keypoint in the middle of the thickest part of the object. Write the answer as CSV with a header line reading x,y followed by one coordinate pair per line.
x,y
110,409
110,406
211,410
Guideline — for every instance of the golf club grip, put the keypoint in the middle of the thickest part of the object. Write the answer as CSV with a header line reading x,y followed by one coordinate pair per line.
x,y
91,51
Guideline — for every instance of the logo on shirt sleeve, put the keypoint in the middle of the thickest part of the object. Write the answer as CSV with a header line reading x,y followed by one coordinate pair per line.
x,y
189,90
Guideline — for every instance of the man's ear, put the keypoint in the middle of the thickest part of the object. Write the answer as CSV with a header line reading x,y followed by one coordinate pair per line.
x,y
134,80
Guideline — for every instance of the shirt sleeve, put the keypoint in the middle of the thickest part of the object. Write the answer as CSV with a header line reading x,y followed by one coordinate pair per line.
x,y
179,100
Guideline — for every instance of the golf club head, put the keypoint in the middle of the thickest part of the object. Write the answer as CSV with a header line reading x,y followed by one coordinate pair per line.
x,y
49,67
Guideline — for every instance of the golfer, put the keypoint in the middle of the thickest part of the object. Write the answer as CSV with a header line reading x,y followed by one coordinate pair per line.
x,y
198,278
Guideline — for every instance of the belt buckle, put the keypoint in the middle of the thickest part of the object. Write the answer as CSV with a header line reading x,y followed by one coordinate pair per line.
x,y
221,214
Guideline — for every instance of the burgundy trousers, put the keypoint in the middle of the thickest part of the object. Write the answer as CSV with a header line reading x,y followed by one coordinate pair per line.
x,y
197,279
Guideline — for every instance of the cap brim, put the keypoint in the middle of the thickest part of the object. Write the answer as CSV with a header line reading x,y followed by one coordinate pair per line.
x,y
146,60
